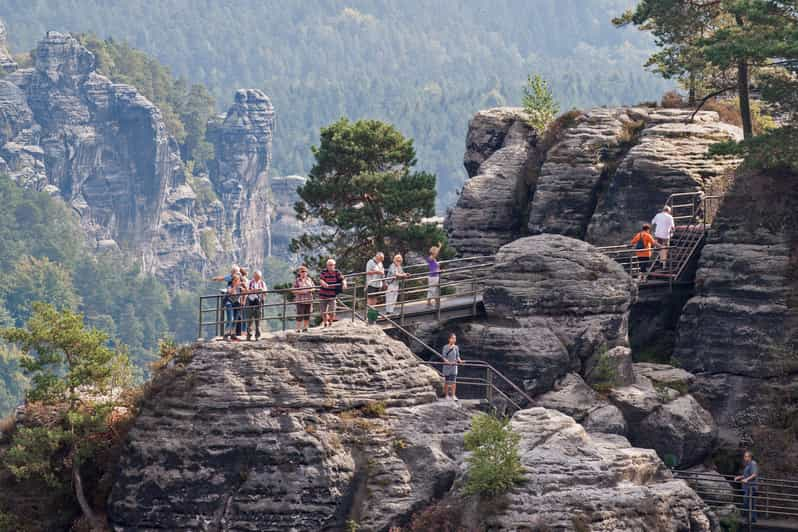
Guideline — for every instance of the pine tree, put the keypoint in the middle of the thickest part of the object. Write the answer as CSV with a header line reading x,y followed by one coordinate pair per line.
x,y
362,188
73,370
539,102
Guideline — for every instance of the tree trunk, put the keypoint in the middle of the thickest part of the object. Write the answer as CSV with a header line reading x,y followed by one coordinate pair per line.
x,y
745,103
742,91
691,90
96,523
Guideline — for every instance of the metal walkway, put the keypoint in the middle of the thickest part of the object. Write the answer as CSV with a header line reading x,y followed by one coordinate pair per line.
x,y
775,501
692,213
461,282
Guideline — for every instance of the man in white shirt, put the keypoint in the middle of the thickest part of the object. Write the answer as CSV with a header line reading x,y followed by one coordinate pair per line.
x,y
663,230
375,277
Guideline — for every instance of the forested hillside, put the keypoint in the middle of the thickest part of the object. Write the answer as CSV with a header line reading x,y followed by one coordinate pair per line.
x,y
44,257
424,66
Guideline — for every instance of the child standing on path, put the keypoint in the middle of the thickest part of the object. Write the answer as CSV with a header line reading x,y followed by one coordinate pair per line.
x,y
451,358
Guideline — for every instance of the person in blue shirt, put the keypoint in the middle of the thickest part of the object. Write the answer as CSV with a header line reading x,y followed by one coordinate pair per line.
x,y
748,480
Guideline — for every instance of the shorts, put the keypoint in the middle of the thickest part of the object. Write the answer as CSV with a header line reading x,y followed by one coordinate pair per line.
x,y
433,288
327,306
252,310
450,379
373,289
664,242
303,311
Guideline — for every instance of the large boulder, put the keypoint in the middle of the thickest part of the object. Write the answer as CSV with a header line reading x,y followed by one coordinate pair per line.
x,y
662,416
573,397
553,304
500,156
294,432
596,482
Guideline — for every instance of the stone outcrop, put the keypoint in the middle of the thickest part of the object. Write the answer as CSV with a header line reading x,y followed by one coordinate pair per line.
x,y
662,416
500,156
285,225
573,397
669,156
575,168
596,482
552,303
242,141
738,333
7,63
598,175
273,435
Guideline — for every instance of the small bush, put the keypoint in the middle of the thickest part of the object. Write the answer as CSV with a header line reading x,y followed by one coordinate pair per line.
x,y
375,409
603,374
352,525
441,517
494,465
729,111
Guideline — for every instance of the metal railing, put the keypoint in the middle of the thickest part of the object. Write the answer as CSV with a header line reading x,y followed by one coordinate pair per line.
x,y
692,213
489,383
770,500
460,285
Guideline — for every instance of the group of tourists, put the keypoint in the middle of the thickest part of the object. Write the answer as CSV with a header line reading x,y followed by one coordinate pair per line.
x,y
644,243
243,298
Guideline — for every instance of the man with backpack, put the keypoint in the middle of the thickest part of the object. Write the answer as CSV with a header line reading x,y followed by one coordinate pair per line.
x,y
643,243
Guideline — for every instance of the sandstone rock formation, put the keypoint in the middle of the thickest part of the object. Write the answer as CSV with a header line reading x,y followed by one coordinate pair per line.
x,y
553,303
662,416
595,482
606,172
500,154
738,333
285,225
271,436
571,177
669,157
7,63
105,150
242,142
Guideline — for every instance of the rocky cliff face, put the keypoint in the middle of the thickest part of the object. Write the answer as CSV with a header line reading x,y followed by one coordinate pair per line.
x,y
104,149
739,333
606,173
242,141
7,63
286,434
500,157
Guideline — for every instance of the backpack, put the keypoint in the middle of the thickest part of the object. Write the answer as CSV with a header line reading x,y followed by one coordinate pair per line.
x,y
641,244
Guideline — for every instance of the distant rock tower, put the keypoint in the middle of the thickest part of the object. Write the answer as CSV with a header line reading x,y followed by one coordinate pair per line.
x,y
7,63
242,141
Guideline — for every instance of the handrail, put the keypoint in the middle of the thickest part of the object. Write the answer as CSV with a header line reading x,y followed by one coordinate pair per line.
x,y
466,363
782,492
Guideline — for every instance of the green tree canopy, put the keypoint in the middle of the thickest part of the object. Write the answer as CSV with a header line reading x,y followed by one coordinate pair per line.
x,y
73,369
364,192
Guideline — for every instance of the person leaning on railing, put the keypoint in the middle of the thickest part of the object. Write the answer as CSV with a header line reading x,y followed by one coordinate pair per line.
x,y
303,297
748,480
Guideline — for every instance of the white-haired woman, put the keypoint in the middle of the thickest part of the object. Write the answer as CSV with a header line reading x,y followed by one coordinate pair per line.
x,y
256,292
395,275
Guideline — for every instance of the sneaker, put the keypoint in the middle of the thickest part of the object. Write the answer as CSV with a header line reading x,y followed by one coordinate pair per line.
x,y
454,398
249,338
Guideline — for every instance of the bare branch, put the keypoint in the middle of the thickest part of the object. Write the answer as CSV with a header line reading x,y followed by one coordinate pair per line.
x,y
706,98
